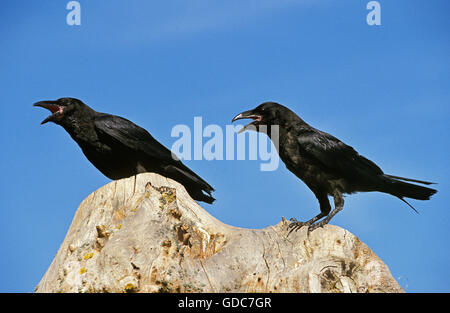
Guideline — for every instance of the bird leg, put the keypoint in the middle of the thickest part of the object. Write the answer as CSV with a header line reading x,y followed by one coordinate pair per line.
x,y
296,225
325,208
338,205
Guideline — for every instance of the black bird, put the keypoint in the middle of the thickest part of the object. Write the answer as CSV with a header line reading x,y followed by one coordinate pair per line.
x,y
325,164
119,148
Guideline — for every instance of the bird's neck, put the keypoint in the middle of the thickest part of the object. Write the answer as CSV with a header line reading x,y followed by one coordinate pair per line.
x,y
81,129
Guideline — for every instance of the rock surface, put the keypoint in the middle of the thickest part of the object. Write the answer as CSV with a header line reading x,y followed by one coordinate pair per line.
x,y
145,234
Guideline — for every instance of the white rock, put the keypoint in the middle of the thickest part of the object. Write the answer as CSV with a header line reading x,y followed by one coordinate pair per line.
x,y
145,234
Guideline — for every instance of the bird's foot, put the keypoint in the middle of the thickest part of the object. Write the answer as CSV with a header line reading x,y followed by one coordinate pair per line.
x,y
296,225
317,225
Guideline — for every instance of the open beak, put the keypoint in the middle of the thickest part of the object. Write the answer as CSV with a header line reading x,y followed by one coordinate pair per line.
x,y
248,114
52,106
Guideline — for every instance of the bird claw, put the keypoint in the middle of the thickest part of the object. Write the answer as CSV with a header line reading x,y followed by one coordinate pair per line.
x,y
316,225
295,225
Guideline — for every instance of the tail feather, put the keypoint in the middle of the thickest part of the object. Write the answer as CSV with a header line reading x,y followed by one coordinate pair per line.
x,y
410,179
197,188
409,204
201,196
401,189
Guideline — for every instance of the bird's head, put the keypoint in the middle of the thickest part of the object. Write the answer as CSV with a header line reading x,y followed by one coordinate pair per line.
x,y
267,113
61,109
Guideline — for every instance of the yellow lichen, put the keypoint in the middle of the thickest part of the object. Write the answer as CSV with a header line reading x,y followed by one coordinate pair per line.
x,y
168,197
82,270
171,198
119,226
89,255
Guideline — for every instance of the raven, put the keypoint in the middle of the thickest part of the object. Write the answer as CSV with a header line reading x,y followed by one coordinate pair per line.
x,y
119,148
325,164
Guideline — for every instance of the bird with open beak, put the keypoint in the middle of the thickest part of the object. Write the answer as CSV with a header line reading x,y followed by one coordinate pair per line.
x,y
55,107
257,118
119,148
326,165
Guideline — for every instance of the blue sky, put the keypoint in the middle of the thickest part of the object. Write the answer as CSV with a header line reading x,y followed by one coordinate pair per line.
x,y
382,89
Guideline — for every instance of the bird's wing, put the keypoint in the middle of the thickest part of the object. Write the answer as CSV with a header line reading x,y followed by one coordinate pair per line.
x,y
120,130
336,155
